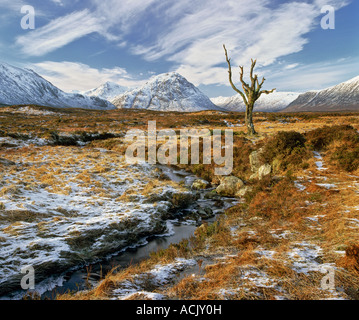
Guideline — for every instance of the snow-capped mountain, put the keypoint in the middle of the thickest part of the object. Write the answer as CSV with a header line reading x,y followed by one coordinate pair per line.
x,y
273,102
344,96
107,91
166,92
24,86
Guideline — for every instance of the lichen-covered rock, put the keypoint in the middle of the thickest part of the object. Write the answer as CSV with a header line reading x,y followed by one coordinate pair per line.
x,y
243,191
205,213
254,160
200,184
263,171
229,186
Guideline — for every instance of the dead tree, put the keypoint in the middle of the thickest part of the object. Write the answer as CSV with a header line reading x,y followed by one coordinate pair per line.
x,y
251,92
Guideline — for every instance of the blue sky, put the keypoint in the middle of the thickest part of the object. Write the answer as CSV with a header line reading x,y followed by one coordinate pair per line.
x,y
80,44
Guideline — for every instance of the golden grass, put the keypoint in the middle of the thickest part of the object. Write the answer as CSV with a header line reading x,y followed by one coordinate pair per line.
x,y
260,223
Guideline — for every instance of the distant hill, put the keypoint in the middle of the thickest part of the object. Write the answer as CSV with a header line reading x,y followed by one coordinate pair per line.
x,y
166,92
273,102
107,91
342,97
24,86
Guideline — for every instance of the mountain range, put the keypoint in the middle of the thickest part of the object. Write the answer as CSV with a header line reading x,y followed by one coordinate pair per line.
x,y
24,86
342,97
273,102
165,92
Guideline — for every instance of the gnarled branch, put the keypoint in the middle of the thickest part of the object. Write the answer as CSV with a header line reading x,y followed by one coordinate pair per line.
x,y
251,93
230,76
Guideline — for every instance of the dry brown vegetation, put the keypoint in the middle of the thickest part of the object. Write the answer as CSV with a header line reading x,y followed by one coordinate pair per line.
x,y
272,245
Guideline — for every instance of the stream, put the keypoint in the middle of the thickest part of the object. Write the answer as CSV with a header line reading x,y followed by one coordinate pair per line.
x,y
86,277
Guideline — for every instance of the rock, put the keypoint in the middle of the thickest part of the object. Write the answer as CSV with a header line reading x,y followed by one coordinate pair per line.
x,y
182,200
229,186
205,213
212,195
6,162
200,184
254,160
242,192
263,171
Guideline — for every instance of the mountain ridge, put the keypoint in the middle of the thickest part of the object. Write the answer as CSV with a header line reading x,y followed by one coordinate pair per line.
x,y
273,102
24,86
166,92
107,91
341,97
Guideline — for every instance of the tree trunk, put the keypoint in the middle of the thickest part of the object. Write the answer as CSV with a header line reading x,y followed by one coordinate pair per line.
x,y
249,120
251,92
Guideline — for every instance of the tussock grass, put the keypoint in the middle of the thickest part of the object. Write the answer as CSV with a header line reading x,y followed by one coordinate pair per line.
x,y
245,254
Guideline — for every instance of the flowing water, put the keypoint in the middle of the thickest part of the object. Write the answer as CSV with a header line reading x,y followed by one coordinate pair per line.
x,y
85,277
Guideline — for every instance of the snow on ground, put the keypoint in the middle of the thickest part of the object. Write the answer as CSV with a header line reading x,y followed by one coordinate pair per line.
x,y
305,258
326,185
61,207
299,186
159,276
319,163
31,111
16,143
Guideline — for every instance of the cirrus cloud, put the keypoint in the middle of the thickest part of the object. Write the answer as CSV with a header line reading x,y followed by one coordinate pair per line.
x,y
72,75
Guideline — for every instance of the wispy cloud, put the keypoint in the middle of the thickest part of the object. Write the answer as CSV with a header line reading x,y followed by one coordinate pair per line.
x,y
291,66
314,76
14,5
109,18
78,76
249,28
188,34
59,33
121,15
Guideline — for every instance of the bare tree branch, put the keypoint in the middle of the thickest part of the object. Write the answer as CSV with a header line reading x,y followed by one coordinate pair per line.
x,y
230,76
251,93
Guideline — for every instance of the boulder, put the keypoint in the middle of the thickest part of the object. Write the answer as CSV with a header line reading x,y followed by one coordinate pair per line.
x,y
205,213
200,184
212,195
243,191
254,160
263,171
229,186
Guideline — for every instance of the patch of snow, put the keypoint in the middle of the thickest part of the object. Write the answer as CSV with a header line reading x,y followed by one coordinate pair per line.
x,y
326,185
299,186
304,258
158,276
62,217
319,164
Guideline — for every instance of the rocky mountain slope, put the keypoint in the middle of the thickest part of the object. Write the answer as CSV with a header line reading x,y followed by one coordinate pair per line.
x,y
166,92
276,101
344,96
107,91
24,86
